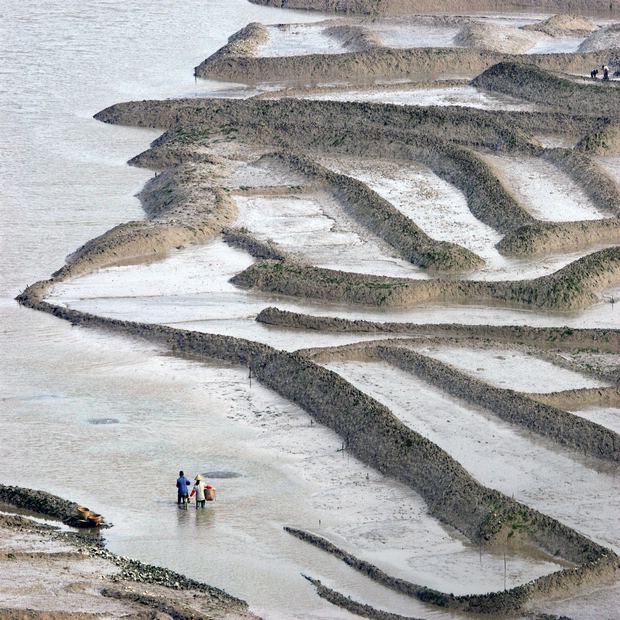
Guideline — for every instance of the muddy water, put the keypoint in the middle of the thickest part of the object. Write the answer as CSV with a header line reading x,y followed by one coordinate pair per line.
x,y
64,180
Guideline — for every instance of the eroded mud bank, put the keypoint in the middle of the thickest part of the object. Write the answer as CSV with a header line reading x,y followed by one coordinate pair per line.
x,y
62,574
382,64
576,286
562,338
408,7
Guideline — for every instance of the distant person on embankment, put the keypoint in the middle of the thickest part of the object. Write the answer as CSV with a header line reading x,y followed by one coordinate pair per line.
x,y
605,73
199,491
182,488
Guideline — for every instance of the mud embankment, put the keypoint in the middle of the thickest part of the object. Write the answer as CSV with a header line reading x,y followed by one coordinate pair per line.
x,y
598,186
574,287
241,238
533,83
602,39
578,399
382,63
550,238
554,338
411,7
564,26
560,426
354,38
328,125
603,140
504,39
383,219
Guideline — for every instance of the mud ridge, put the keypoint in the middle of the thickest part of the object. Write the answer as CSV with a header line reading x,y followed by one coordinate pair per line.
x,y
597,185
550,237
602,140
533,83
182,208
411,7
301,123
556,338
573,287
577,399
354,38
492,603
564,25
545,420
381,63
241,238
346,602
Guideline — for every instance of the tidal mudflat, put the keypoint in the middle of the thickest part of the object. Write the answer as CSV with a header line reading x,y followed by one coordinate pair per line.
x,y
399,253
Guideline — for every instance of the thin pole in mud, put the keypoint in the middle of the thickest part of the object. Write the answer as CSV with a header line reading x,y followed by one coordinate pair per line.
x,y
504,570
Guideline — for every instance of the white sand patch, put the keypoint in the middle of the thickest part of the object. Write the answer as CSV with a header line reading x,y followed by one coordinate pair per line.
x,y
465,96
544,190
556,481
315,228
605,416
511,369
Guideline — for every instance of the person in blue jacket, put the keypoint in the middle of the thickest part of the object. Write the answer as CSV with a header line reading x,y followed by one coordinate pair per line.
x,y
182,488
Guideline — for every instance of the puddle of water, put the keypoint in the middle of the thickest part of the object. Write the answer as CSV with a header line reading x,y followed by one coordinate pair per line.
x,y
317,229
466,96
559,483
544,190
511,369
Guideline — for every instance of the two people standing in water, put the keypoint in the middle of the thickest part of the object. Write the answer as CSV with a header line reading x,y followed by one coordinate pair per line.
x,y
203,492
